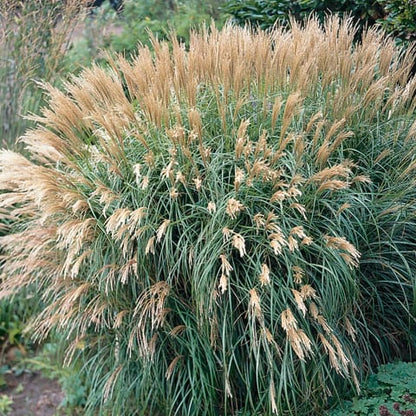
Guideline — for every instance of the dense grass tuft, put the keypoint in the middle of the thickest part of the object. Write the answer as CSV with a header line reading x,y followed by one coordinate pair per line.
x,y
225,229
34,39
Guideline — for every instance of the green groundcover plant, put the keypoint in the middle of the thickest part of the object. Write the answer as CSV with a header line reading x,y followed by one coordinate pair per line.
x,y
389,392
225,229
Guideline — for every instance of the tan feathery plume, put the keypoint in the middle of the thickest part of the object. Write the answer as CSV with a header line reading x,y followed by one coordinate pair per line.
x,y
270,340
238,178
288,321
162,229
292,103
333,185
350,329
177,330
211,207
348,252
299,299
198,183
226,232
150,246
74,233
259,220
292,243
340,352
144,182
329,349
234,207
272,395
300,208
299,342
297,179
277,242
117,219
298,231
343,207
277,105
173,193
110,383
195,121
172,366
254,304
239,147
118,320
308,292
279,196
238,242
127,269
314,311
241,137
343,170
223,285
136,218
226,267
322,321
150,313
298,274
312,121
307,241
361,179
180,177
264,277
74,271
167,171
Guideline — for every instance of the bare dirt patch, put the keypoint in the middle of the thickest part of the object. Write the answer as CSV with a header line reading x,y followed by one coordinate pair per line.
x,y
33,395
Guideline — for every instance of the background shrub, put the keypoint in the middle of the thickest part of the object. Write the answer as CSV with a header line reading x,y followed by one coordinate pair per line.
x,y
225,228
159,17
400,19
262,13
395,16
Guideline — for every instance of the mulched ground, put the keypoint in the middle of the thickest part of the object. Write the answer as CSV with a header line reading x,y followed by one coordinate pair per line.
x,y
33,395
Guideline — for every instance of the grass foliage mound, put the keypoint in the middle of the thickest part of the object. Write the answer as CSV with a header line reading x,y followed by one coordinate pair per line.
x,y
227,229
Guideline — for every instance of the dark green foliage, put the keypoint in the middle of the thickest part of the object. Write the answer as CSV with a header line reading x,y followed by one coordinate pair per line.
x,y
140,18
390,392
397,17
400,19
262,13
12,315
265,13
363,11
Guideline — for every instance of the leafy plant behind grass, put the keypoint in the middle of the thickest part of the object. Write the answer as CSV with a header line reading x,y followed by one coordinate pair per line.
x,y
159,17
397,17
400,19
262,13
391,391
225,229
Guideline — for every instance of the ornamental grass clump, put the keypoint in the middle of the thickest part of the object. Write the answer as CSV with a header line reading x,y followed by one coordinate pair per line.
x,y
225,229
34,40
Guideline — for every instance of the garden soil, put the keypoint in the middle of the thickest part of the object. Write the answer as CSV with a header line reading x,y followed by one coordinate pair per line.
x,y
33,395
